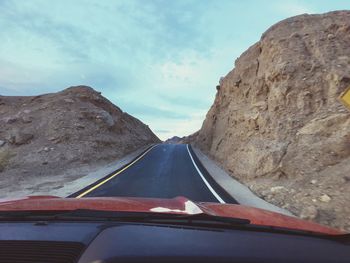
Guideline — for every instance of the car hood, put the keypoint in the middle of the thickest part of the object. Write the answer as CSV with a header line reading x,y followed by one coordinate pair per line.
x,y
178,205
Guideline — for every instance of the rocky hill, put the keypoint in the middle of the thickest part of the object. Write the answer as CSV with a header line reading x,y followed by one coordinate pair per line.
x,y
277,124
53,134
173,140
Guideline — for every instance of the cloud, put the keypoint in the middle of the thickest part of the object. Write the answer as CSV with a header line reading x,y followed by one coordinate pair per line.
x,y
158,60
138,55
155,112
163,131
178,127
185,101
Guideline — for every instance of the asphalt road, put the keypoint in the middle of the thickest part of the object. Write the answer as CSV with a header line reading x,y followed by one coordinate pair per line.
x,y
165,171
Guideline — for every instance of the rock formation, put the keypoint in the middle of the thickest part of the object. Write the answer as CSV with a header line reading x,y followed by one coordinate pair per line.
x,y
277,122
50,134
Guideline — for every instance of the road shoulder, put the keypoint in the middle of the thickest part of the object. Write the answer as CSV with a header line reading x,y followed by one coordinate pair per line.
x,y
238,191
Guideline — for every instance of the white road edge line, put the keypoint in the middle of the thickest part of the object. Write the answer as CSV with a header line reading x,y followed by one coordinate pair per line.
x,y
203,178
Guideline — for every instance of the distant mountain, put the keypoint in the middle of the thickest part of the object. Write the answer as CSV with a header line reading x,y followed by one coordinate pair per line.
x,y
173,140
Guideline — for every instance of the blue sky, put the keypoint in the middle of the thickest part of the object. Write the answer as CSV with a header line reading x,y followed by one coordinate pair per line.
x,y
158,60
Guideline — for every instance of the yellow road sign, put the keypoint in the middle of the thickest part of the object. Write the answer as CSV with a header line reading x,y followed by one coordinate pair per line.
x,y
345,98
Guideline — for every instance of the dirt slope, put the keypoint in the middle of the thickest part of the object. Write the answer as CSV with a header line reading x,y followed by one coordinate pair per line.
x,y
276,123
54,134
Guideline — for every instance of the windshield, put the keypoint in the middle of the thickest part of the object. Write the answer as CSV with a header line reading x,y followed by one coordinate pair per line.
x,y
223,109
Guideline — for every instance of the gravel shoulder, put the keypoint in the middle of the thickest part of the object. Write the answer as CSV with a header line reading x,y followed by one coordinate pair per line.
x,y
237,190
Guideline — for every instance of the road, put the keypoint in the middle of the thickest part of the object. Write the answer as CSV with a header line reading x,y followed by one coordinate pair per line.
x,y
164,171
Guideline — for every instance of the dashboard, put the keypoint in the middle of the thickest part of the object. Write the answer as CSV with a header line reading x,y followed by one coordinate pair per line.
x,y
144,242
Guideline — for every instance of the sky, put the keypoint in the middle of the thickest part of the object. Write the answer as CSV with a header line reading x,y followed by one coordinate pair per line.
x,y
158,60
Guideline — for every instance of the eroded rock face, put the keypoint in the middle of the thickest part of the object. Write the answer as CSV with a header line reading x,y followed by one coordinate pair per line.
x,y
276,115
50,134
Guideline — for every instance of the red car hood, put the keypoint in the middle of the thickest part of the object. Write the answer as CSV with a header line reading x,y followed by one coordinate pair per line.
x,y
178,205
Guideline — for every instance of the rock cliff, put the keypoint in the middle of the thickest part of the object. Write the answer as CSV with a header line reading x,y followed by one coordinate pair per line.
x,y
277,124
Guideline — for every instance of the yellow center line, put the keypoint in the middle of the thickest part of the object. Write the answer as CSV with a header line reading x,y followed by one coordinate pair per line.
x,y
115,174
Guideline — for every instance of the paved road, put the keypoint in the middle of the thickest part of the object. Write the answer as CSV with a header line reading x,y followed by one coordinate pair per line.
x,y
165,171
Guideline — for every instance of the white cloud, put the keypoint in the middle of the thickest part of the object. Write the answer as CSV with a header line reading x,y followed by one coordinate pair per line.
x,y
166,128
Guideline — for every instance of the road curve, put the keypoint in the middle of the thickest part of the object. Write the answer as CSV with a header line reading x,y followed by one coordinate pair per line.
x,y
165,171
